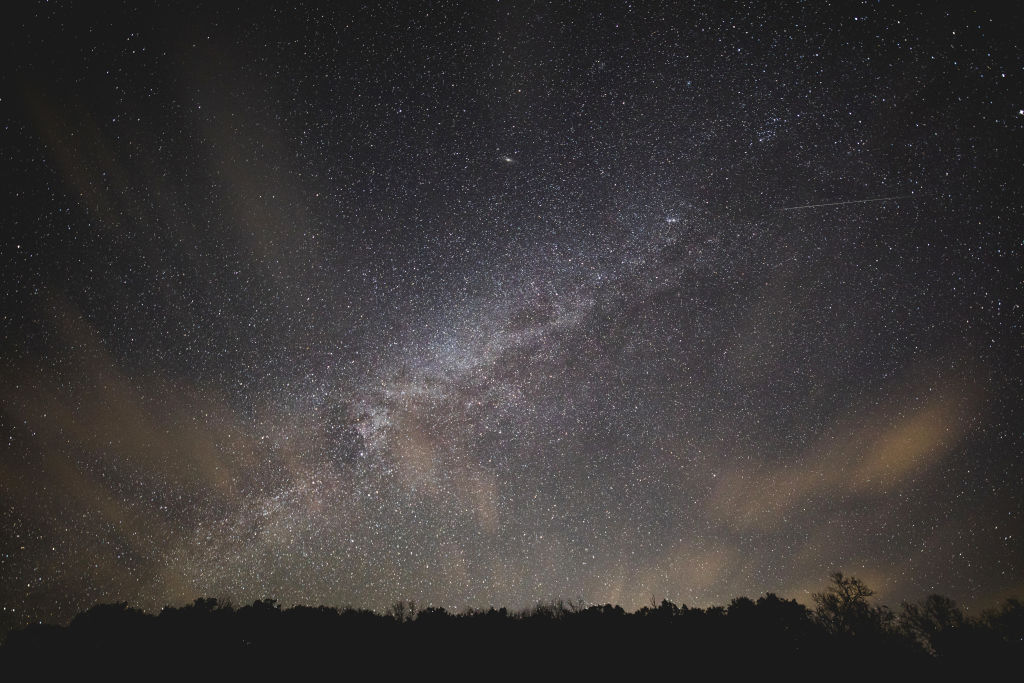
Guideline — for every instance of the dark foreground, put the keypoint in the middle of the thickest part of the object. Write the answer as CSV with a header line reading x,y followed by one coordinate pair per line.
x,y
845,637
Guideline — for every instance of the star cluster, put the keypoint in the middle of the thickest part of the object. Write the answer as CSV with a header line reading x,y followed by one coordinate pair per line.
x,y
488,305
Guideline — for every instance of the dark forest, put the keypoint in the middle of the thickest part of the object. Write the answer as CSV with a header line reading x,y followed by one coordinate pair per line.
x,y
845,633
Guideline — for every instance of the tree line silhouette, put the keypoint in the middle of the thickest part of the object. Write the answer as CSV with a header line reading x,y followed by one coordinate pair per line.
x,y
844,634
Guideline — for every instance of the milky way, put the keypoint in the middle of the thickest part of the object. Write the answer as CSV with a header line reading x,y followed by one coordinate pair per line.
x,y
493,305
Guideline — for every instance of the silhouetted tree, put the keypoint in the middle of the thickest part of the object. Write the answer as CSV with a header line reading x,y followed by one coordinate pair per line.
x,y
935,623
403,611
843,608
1006,626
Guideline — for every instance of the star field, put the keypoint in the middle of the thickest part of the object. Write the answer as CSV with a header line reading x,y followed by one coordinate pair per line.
x,y
492,305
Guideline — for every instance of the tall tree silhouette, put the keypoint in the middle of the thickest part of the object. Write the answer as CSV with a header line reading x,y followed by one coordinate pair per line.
x,y
843,608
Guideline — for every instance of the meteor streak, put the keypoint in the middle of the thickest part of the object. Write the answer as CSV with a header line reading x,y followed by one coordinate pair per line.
x,y
852,201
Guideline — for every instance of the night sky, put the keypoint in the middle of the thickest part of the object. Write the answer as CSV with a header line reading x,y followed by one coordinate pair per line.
x,y
500,303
